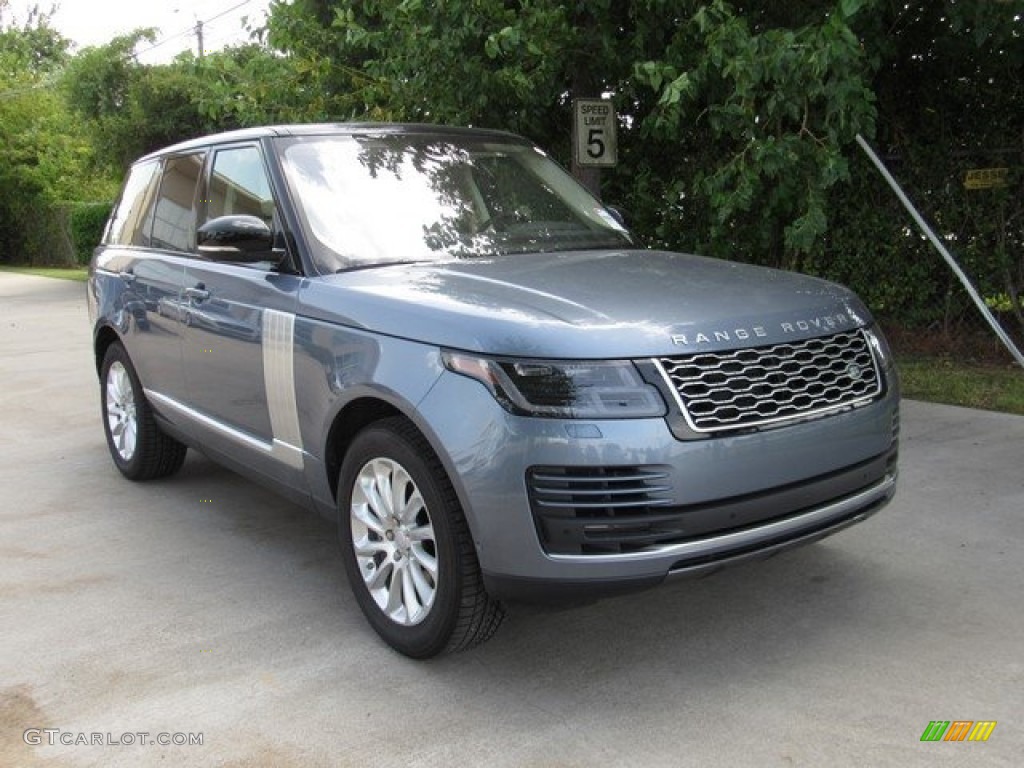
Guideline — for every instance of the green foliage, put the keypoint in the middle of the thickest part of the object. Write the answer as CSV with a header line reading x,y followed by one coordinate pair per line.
x,y
950,92
40,161
129,109
487,62
779,100
87,221
99,81
249,85
736,129
32,47
736,120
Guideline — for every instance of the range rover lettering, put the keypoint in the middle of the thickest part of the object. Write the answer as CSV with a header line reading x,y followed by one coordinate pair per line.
x,y
438,338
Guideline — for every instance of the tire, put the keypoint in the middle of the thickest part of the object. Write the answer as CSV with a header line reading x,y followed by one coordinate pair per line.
x,y
139,448
414,574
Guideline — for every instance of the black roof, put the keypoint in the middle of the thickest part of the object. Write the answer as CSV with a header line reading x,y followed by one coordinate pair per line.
x,y
329,129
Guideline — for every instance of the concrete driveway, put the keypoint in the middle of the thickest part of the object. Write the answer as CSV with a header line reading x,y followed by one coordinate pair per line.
x,y
204,606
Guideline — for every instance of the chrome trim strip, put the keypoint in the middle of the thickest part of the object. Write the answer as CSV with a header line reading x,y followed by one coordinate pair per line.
x,y
740,540
289,454
276,449
191,413
279,379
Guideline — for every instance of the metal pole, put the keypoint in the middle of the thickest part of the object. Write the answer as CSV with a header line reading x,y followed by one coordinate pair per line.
x,y
941,248
588,177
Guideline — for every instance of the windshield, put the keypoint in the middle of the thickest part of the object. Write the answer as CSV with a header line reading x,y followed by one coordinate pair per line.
x,y
371,200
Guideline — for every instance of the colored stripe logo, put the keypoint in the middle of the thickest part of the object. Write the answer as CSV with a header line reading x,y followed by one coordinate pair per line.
x,y
958,730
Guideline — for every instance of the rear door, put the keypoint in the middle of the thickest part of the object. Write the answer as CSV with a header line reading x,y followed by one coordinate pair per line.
x,y
147,246
237,346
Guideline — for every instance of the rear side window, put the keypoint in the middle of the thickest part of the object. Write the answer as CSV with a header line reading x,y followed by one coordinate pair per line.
x,y
174,218
129,225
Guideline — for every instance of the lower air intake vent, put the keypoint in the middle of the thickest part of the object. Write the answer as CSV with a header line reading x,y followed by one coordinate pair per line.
x,y
603,501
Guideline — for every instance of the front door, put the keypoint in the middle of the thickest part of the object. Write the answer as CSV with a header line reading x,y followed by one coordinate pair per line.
x,y
238,330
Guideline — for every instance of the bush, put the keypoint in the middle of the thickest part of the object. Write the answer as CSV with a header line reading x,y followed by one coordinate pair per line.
x,y
87,223
52,234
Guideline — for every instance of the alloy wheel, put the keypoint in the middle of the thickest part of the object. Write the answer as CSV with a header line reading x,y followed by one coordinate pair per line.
x,y
394,542
121,416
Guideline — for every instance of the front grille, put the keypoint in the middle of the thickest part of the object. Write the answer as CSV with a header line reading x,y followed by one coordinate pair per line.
x,y
743,388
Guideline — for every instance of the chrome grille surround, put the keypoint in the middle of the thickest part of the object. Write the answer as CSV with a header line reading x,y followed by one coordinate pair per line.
x,y
760,386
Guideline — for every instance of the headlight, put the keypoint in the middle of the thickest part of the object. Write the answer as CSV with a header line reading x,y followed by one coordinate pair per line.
x,y
574,389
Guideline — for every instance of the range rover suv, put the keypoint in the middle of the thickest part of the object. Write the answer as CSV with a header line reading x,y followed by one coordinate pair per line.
x,y
436,337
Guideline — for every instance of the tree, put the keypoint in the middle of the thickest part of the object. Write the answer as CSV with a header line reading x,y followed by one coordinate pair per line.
x,y
252,85
737,119
949,86
41,160
131,109
745,112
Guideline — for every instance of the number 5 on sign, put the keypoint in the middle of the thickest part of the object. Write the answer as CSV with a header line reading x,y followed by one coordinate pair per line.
x,y
595,142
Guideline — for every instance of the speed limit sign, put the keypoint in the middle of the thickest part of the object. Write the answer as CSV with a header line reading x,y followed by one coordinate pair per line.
x,y
594,137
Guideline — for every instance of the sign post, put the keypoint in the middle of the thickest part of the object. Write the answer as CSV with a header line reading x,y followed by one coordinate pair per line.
x,y
594,140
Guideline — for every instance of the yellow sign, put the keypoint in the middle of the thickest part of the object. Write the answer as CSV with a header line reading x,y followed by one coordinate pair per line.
x,y
985,178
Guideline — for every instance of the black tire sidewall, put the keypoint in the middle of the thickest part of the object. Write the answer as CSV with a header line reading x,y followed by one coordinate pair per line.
x,y
430,636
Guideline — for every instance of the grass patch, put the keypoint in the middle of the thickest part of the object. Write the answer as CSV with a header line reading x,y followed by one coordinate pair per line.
x,y
942,380
81,274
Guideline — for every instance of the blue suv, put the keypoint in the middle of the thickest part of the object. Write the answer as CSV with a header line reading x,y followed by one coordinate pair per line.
x,y
438,338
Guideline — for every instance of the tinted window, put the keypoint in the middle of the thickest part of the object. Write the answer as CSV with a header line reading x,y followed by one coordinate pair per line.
x,y
239,185
175,215
129,223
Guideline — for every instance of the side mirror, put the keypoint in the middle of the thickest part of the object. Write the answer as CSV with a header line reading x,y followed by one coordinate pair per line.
x,y
239,238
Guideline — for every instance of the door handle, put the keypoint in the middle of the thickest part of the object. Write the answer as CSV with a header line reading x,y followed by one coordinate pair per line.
x,y
199,293
127,276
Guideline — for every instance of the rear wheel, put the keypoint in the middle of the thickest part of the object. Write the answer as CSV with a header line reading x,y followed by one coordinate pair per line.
x,y
139,448
406,546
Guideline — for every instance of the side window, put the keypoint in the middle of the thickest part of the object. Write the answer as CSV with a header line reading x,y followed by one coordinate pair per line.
x,y
239,185
174,217
129,223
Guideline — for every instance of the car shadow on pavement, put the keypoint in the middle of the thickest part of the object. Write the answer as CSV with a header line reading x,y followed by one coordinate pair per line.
x,y
762,614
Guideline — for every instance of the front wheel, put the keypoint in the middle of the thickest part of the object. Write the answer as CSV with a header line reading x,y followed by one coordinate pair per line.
x,y
406,546
139,448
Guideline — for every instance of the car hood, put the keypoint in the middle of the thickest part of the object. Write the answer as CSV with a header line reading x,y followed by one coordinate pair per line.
x,y
586,304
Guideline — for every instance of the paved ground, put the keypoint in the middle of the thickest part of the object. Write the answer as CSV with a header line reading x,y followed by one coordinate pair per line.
x,y
204,605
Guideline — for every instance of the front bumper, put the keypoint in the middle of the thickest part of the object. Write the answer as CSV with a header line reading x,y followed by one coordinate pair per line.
x,y
719,501
701,556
